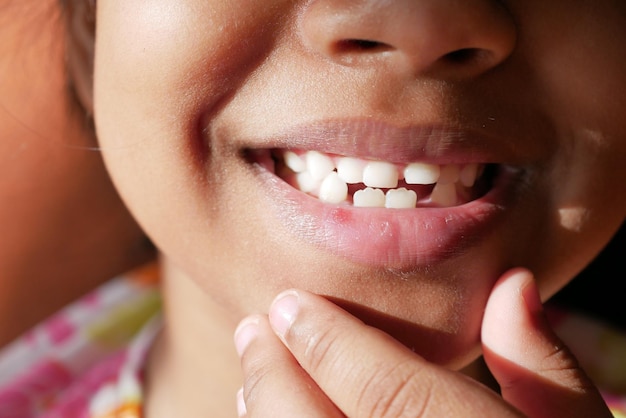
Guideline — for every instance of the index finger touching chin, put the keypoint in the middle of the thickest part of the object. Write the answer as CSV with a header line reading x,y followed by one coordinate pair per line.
x,y
367,373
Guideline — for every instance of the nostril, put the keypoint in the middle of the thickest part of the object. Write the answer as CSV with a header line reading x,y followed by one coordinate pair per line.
x,y
360,45
466,55
431,38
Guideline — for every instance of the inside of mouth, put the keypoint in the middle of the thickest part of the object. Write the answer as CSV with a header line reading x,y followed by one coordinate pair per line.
x,y
359,182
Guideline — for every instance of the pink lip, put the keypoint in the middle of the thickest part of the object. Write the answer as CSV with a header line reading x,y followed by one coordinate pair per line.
x,y
439,144
390,238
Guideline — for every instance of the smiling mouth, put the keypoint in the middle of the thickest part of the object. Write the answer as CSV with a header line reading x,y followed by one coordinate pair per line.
x,y
368,183
387,196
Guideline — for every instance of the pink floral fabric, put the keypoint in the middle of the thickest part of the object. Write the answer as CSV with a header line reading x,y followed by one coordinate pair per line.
x,y
601,351
87,361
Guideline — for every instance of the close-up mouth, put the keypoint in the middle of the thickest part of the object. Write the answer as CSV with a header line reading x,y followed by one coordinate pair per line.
x,y
386,196
366,164
367,183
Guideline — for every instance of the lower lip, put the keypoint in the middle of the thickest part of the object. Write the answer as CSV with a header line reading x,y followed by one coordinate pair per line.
x,y
386,238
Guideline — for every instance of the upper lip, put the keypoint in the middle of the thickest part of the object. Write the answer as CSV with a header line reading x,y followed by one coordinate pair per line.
x,y
437,144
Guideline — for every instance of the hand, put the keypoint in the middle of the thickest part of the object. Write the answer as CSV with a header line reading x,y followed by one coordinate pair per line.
x,y
310,358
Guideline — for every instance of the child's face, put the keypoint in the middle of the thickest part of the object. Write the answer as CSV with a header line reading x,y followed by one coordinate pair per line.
x,y
197,101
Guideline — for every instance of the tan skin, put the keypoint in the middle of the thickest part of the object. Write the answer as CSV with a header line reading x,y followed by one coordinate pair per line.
x,y
182,95
64,228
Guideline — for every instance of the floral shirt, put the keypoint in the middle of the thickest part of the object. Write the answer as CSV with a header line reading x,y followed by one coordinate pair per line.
x,y
600,350
87,361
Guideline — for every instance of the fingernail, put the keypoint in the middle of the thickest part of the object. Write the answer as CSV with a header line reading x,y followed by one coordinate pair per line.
x,y
283,311
246,331
241,404
531,297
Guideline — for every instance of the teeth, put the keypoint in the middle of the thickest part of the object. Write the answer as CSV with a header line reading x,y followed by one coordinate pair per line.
x,y
306,182
421,173
333,189
449,174
369,198
350,170
468,175
401,199
444,194
380,174
328,178
319,165
294,162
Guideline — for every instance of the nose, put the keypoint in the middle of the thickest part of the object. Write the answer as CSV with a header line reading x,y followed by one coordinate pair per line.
x,y
450,39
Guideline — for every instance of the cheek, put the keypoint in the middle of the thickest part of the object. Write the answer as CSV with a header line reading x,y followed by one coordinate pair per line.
x,y
185,42
580,70
173,61
574,49
163,69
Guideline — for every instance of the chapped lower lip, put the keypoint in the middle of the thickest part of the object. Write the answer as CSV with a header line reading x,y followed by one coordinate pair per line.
x,y
386,238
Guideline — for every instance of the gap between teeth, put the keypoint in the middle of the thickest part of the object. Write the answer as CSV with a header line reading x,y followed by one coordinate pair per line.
x,y
328,178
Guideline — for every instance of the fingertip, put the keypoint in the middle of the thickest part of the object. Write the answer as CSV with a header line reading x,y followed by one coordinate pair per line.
x,y
513,284
518,276
283,311
241,404
518,289
509,315
530,295
536,372
516,334
246,332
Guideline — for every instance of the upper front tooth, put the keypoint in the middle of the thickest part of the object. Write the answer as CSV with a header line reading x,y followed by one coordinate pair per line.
x,y
449,174
350,169
294,162
421,173
319,165
333,189
380,174
468,175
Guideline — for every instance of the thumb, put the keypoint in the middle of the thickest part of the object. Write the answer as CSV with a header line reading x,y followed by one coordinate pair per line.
x,y
536,371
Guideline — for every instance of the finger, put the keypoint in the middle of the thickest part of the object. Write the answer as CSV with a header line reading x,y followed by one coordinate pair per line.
x,y
367,373
274,383
535,370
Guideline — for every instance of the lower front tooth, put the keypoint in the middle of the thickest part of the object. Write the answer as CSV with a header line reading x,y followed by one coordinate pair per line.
x,y
306,183
401,199
333,189
444,194
369,198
